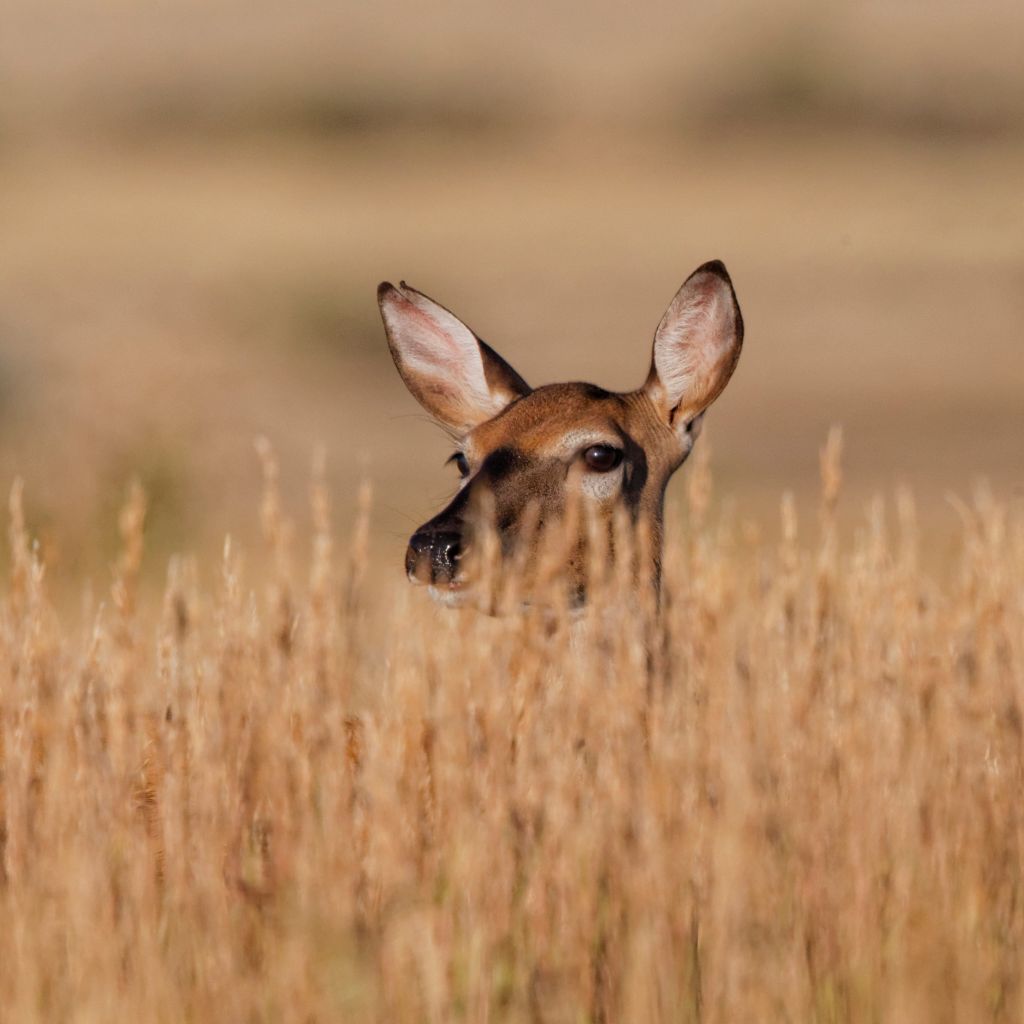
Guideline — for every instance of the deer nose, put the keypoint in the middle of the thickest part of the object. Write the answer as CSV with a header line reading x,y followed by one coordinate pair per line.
x,y
432,557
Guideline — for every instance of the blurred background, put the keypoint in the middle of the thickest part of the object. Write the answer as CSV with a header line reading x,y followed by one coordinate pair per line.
x,y
197,200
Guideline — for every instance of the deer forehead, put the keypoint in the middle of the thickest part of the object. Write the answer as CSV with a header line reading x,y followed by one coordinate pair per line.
x,y
555,421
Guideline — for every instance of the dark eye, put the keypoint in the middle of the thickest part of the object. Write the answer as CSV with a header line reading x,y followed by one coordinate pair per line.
x,y
461,464
602,458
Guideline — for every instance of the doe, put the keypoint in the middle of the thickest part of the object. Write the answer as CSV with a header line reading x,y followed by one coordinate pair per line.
x,y
530,451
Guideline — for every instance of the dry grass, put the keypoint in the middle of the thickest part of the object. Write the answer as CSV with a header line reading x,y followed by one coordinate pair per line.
x,y
296,791
308,798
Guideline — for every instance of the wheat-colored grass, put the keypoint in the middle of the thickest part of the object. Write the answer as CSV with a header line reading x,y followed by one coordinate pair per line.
x,y
795,796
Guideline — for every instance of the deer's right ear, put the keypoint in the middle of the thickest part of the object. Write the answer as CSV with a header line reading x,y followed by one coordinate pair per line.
x,y
455,376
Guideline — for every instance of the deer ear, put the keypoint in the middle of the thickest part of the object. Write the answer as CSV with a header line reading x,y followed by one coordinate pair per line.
x,y
696,346
455,376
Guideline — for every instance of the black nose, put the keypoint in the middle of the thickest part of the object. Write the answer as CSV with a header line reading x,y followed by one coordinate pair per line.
x,y
433,557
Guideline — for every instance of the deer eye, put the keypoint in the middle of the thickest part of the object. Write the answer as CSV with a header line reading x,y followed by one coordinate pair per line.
x,y
461,464
602,458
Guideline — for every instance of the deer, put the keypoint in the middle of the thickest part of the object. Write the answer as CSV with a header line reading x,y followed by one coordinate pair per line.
x,y
529,454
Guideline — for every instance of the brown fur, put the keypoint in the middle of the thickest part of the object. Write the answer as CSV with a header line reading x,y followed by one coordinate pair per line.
x,y
526,462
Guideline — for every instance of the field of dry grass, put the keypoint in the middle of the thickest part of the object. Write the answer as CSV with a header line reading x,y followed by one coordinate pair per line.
x,y
299,796
269,782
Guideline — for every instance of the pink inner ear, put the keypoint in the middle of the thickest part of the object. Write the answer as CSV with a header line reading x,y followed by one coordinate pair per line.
x,y
424,341
694,344
440,393
711,325
439,354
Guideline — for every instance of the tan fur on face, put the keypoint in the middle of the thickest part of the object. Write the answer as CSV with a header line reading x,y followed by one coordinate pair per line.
x,y
539,442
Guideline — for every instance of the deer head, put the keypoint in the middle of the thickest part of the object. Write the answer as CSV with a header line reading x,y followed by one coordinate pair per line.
x,y
527,454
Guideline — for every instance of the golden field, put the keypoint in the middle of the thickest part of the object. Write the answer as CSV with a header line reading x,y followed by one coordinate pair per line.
x,y
263,779
793,795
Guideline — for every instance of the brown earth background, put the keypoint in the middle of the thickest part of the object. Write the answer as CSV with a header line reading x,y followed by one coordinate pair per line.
x,y
197,201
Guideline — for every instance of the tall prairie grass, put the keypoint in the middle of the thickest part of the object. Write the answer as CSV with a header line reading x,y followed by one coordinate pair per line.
x,y
792,793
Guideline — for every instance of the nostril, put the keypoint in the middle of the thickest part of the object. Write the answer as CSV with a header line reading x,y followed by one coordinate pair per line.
x,y
450,549
445,553
421,542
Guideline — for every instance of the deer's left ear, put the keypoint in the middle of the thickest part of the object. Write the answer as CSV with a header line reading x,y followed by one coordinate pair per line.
x,y
457,378
696,346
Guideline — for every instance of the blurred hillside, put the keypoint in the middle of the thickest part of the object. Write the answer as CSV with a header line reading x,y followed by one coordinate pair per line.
x,y
197,201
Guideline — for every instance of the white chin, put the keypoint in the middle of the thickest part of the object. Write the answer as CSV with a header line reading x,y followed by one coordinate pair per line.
x,y
447,596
